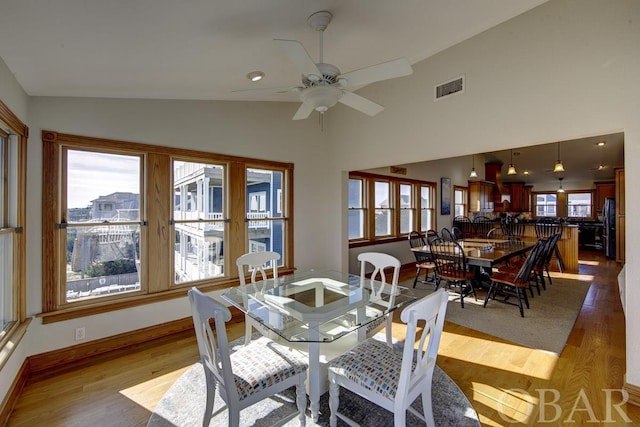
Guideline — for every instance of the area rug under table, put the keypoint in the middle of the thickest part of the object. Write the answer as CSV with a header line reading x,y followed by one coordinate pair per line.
x,y
545,326
183,405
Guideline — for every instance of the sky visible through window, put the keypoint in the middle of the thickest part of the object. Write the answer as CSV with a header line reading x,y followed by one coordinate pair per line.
x,y
91,175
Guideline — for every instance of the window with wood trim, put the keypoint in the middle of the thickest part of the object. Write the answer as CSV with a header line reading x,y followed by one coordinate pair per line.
x,y
460,201
357,208
127,223
427,207
13,152
546,204
579,204
383,207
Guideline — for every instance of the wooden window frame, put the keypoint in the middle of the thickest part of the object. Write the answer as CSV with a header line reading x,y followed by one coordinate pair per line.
x,y
368,182
412,208
465,199
559,204
363,207
11,125
157,217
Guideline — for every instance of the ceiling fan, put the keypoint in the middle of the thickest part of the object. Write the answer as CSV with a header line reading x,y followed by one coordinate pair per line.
x,y
323,85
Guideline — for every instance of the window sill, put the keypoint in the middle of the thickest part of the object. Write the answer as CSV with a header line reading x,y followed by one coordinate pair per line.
x,y
10,343
361,243
138,300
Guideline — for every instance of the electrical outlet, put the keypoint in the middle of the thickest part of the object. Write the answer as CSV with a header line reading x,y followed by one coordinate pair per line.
x,y
79,334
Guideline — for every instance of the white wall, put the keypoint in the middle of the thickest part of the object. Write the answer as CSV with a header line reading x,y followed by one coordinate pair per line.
x,y
565,69
12,94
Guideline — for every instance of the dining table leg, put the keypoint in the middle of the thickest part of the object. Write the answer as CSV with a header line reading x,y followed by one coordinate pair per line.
x,y
314,372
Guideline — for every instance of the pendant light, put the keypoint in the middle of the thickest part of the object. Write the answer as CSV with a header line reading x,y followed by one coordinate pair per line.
x,y
512,169
560,189
559,167
473,173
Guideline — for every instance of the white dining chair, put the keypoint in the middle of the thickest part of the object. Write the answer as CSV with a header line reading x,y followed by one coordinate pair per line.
x,y
379,284
390,378
256,262
250,374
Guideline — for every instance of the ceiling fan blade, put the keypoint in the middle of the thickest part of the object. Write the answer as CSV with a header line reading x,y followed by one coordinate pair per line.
x,y
299,55
375,73
281,89
359,103
303,112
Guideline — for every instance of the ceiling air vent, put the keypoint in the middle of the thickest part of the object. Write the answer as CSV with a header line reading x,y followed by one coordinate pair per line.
x,y
449,88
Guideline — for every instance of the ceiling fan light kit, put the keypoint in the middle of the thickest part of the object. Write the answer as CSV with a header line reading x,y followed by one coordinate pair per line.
x,y
323,85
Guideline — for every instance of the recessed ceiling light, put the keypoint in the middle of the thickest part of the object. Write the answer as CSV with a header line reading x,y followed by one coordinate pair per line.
x,y
601,167
254,76
525,172
601,143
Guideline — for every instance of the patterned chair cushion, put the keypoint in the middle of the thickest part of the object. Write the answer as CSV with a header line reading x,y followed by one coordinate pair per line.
x,y
373,365
263,363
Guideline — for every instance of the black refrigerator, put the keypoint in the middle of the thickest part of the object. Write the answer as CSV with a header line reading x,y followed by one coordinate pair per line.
x,y
609,230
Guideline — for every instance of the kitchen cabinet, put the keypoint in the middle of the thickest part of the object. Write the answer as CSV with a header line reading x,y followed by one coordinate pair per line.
x,y
480,196
520,197
604,190
620,219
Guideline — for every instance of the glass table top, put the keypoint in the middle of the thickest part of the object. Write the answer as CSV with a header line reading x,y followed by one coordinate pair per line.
x,y
315,306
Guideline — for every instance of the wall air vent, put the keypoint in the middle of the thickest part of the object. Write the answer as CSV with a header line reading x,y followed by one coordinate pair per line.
x,y
449,88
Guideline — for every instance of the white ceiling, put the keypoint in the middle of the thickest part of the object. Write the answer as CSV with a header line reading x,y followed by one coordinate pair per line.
x,y
203,49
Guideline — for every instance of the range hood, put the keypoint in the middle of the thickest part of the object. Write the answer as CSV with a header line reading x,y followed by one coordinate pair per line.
x,y
493,173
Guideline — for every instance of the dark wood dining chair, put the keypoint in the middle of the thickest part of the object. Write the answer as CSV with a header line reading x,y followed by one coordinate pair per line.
x,y
542,266
424,260
465,225
446,234
507,284
452,268
547,228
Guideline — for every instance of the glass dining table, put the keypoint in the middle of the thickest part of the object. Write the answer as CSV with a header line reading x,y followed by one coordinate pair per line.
x,y
323,312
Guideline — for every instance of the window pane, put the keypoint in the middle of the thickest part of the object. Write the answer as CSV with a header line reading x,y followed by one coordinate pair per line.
x,y
356,224
579,204
264,189
102,259
355,193
356,211
383,222
7,314
198,195
198,251
546,204
406,220
102,187
198,191
382,194
425,194
406,208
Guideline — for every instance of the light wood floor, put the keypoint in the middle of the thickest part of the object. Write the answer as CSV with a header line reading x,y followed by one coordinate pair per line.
x,y
502,380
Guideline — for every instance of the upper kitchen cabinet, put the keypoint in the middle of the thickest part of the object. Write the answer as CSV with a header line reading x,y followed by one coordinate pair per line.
x,y
604,190
480,196
520,197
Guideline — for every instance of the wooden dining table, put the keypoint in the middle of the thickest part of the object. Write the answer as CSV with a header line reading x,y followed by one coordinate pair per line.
x,y
488,252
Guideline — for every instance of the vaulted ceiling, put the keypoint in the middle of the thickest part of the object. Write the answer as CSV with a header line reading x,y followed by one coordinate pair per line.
x,y
203,49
